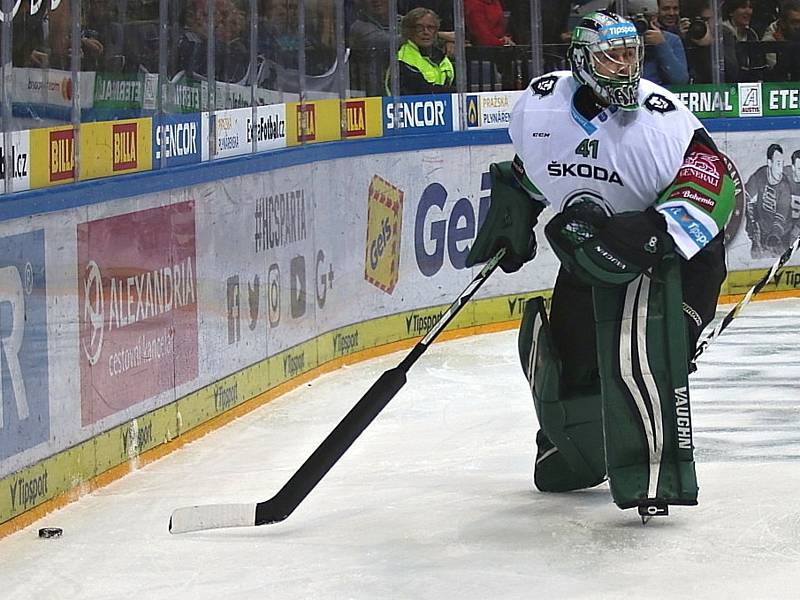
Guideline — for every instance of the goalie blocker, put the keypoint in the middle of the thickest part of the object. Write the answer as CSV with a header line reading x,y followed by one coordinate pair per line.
x,y
633,423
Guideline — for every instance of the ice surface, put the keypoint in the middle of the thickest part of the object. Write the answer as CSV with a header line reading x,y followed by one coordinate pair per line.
x,y
435,499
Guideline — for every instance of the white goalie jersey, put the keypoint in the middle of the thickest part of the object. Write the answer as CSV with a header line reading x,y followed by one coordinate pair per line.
x,y
621,159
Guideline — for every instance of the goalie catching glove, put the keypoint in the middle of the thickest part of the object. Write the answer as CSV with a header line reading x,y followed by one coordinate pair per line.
x,y
604,250
509,223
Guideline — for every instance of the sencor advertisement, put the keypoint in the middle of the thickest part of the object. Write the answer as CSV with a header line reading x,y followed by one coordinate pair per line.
x,y
24,379
178,139
137,293
418,114
19,161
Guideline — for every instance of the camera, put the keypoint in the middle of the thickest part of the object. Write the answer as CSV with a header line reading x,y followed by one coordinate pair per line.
x,y
641,22
697,29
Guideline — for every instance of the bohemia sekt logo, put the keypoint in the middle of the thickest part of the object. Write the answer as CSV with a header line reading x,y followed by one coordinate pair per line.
x,y
137,297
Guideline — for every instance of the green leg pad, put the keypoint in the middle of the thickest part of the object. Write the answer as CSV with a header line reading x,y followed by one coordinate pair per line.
x,y
570,445
644,380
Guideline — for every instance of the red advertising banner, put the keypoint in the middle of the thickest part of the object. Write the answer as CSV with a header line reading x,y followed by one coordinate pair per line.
x,y
137,297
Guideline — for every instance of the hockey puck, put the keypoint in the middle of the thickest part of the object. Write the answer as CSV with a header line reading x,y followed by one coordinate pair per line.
x,y
50,532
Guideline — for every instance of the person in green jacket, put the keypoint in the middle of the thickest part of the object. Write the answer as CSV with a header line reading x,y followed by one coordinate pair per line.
x,y
424,67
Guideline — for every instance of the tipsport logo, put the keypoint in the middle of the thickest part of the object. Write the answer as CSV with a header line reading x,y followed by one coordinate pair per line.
x,y
617,30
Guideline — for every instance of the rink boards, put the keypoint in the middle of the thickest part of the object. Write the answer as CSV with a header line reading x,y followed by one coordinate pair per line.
x,y
133,322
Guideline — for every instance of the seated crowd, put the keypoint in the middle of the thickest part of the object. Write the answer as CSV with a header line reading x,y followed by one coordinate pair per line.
x,y
758,40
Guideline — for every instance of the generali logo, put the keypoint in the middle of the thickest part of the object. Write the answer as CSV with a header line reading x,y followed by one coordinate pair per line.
x,y
704,168
306,123
62,155
124,144
356,116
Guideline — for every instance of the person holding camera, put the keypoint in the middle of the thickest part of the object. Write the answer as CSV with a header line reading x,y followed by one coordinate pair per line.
x,y
669,17
664,57
699,37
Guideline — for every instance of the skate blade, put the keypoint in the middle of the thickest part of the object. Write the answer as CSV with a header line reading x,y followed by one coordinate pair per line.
x,y
648,511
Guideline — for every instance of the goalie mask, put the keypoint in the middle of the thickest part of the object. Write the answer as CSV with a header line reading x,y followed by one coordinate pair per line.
x,y
606,54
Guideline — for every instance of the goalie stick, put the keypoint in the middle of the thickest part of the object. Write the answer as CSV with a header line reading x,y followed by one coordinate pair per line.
x,y
327,454
734,312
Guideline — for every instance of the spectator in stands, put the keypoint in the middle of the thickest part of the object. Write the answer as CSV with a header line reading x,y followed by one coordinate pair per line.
x,y
370,42
786,28
664,57
556,33
29,33
232,56
669,18
485,22
279,38
44,39
736,15
764,13
443,9
698,43
424,67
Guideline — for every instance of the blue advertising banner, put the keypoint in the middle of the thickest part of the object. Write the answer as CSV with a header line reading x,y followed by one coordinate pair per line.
x,y
24,405
418,114
181,138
